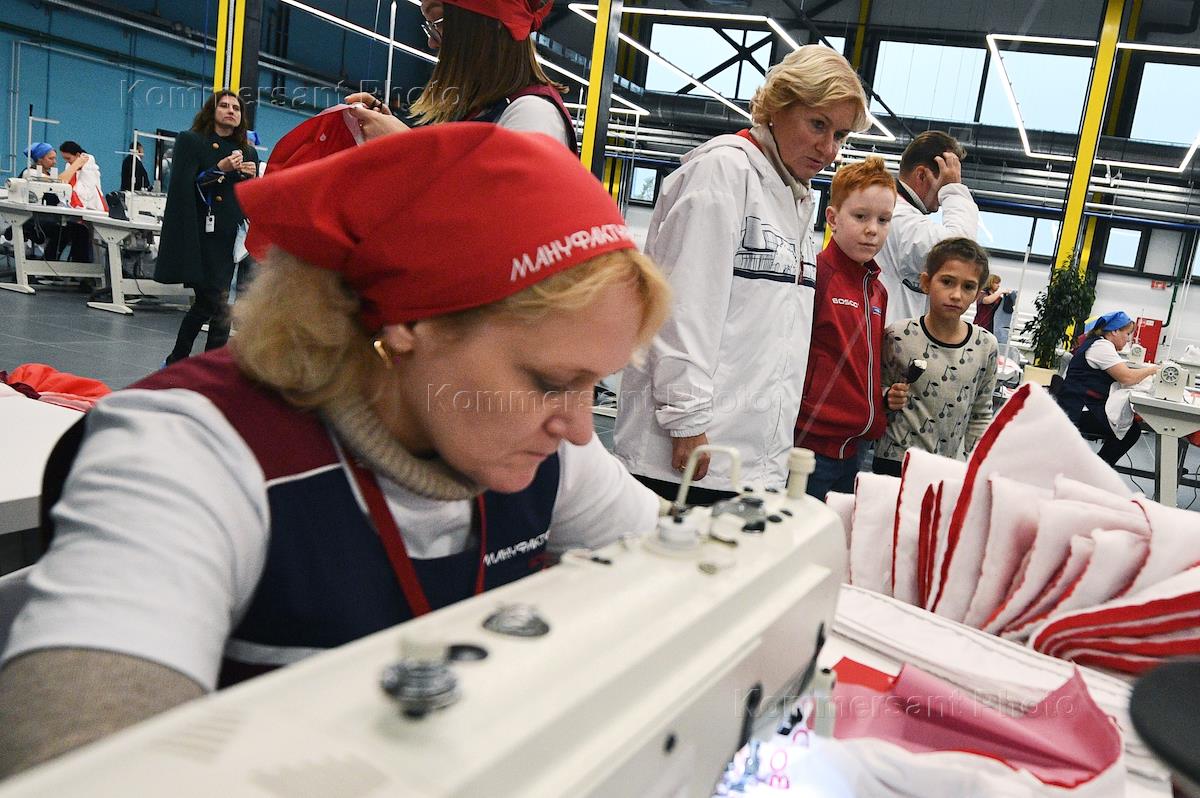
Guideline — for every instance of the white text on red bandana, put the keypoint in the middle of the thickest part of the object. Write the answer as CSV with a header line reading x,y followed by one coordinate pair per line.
x,y
556,251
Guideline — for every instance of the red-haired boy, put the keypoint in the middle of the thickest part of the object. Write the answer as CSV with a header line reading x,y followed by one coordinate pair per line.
x,y
844,401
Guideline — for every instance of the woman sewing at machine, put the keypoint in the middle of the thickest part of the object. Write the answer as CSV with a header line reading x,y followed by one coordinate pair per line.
x,y
54,234
1095,366
404,420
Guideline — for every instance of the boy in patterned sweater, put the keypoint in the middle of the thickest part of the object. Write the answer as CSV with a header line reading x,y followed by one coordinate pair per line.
x,y
947,408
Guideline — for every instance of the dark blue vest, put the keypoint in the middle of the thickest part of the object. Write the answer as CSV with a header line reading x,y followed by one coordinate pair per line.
x,y
327,579
549,93
1084,386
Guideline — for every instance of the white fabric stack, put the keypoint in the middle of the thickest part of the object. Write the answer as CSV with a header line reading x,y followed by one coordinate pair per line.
x,y
1082,570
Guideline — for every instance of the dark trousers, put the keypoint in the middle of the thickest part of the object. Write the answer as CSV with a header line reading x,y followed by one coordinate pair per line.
x,y
1114,448
696,496
832,475
890,468
212,296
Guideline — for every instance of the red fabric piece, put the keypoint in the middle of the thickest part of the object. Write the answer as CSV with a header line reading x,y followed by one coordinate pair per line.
x,y
325,134
439,219
1065,740
44,379
521,17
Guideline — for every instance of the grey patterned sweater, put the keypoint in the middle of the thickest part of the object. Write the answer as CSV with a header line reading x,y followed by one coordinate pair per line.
x,y
950,405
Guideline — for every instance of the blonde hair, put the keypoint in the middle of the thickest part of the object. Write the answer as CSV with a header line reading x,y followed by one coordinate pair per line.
x,y
479,63
993,280
857,177
813,76
299,331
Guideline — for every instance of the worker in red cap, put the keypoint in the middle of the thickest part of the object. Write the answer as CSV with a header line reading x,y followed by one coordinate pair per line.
x,y
487,71
403,421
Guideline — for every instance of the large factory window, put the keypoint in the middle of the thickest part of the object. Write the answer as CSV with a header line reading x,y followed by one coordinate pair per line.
x,y
1168,105
699,50
947,88
1049,89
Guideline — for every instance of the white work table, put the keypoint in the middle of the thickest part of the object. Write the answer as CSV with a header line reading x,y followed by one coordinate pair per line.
x,y
1170,421
113,232
29,429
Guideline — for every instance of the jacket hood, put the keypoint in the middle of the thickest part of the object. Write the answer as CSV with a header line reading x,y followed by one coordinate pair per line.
x,y
731,141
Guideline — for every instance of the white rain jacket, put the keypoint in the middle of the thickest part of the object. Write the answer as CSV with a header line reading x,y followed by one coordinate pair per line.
x,y
734,240
909,240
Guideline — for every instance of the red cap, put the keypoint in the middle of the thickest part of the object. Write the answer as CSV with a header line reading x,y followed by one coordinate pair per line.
x,y
438,219
521,17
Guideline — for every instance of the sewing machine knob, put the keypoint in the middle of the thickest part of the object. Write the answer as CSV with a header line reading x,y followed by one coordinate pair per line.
x,y
517,620
422,680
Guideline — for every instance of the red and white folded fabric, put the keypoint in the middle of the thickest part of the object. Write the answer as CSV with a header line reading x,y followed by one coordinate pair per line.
x,y
1132,633
1015,445
1174,543
920,471
1064,740
1059,521
914,735
934,525
997,672
1011,532
843,505
989,544
871,539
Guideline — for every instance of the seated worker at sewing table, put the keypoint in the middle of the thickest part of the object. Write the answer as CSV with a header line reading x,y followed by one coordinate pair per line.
x,y
54,234
1094,367
397,426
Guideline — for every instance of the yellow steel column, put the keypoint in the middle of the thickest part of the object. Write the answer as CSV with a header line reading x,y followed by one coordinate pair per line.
x,y
222,48
239,27
604,56
1089,134
1135,13
860,36
231,25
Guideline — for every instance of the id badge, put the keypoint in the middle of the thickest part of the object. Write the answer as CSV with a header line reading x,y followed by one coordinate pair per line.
x,y
210,223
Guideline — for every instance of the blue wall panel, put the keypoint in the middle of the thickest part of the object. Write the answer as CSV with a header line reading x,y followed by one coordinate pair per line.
x,y
103,79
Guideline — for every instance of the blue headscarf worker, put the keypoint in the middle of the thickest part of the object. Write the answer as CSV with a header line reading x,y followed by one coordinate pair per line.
x,y
1095,366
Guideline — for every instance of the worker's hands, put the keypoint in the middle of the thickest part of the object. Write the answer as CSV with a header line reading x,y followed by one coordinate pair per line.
x,y
248,169
949,168
681,450
368,99
231,162
897,395
377,121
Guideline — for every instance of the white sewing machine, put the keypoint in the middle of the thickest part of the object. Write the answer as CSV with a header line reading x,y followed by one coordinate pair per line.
x,y
1136,354
634,670
1170,381
39,188
145,206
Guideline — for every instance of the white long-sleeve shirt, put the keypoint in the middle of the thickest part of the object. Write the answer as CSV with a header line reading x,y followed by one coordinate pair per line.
x,y
909,240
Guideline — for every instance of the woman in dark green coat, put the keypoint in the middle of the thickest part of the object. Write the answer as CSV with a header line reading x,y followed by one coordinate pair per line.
x,y
201,220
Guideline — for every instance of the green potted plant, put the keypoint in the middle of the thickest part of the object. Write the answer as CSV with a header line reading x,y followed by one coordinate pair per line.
x,y
1063,306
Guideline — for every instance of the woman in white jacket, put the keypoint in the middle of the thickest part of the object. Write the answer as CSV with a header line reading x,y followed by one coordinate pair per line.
x,y
732,232
84,176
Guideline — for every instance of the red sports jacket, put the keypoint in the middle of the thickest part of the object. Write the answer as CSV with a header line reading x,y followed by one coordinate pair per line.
x,y
843,397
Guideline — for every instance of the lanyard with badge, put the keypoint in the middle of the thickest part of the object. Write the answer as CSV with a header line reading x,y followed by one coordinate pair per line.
x,y
393,541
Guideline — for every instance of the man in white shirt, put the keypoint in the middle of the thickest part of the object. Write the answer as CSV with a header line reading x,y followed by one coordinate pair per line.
x,y
930,179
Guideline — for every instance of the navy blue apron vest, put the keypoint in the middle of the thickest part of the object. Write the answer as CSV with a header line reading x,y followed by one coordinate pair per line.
x,y
327,579
549,93
1084,386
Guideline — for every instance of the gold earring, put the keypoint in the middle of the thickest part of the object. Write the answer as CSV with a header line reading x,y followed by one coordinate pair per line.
x,y
381,350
